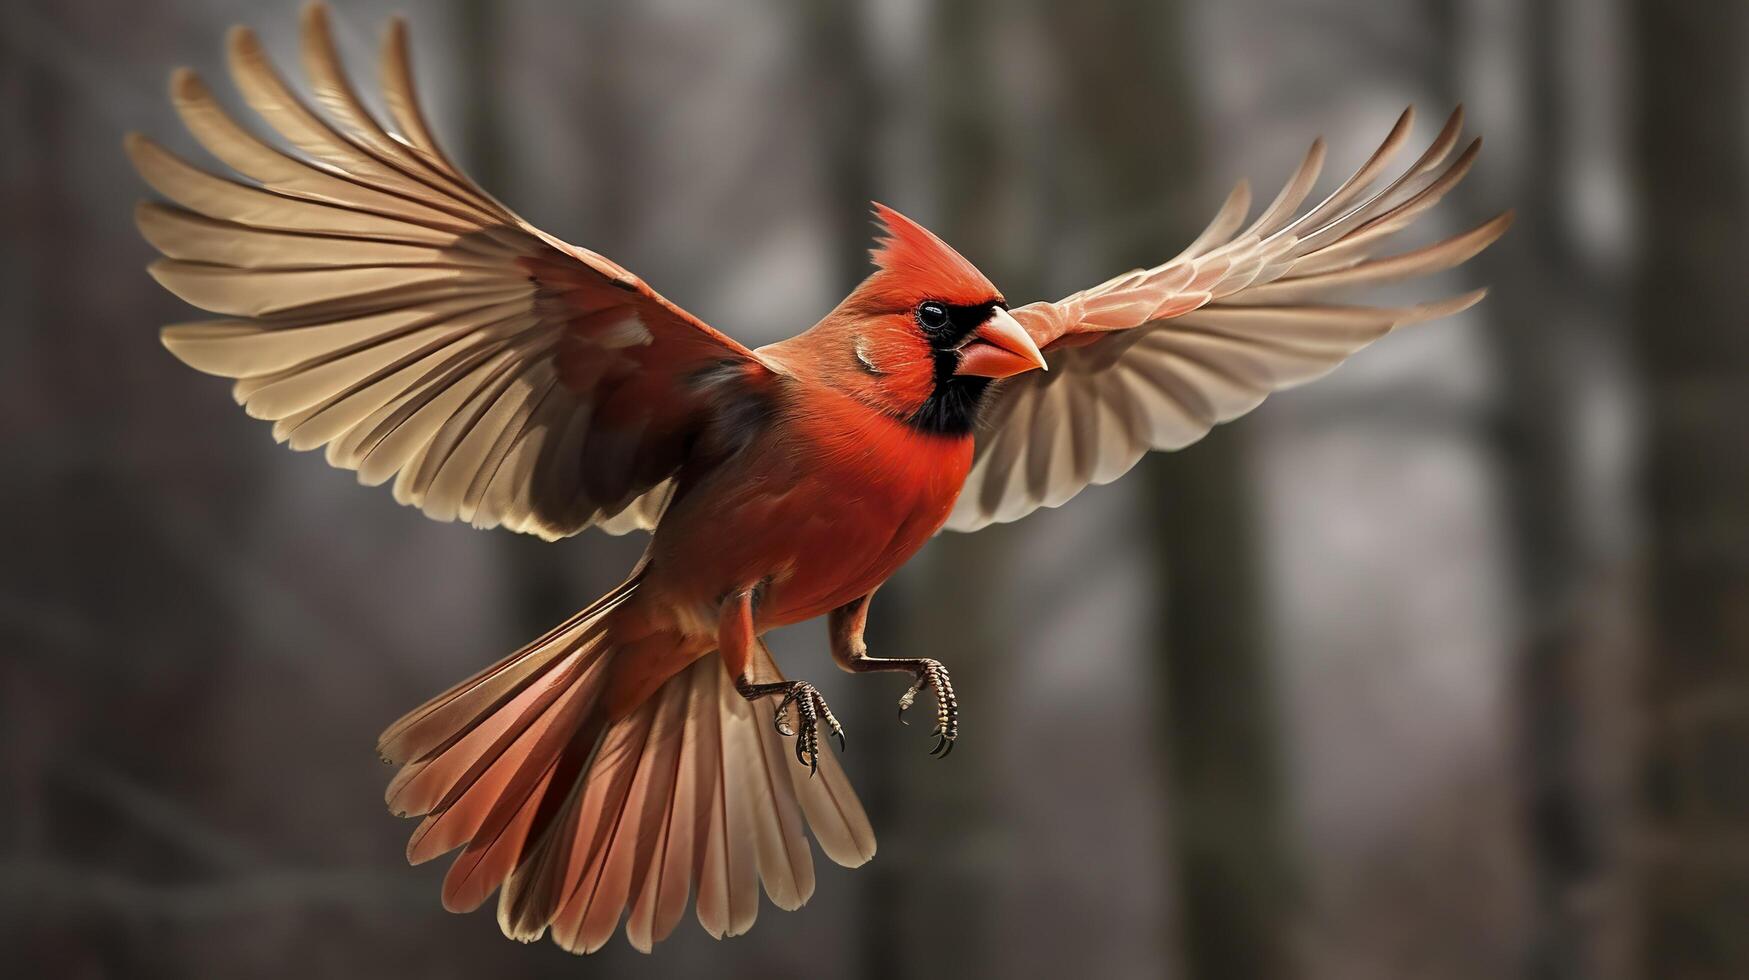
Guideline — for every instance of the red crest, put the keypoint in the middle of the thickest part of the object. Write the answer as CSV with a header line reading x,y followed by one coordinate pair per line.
x,y
913,261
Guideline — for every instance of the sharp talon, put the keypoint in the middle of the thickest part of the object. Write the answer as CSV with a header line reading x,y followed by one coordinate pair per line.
x,y
810,710
930,675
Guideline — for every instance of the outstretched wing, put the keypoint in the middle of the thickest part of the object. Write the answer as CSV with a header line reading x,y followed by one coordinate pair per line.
x,y
1156,357
380,304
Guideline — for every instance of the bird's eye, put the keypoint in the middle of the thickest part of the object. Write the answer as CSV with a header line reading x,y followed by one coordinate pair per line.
x,y
932,316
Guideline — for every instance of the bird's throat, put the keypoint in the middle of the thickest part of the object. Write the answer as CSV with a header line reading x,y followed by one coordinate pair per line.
x,y
954,401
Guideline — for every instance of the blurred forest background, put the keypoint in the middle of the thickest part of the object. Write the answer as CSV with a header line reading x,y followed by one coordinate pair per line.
x,y
1438,668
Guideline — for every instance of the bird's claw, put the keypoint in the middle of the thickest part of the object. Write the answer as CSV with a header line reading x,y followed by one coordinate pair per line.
x,y
931,674
811,710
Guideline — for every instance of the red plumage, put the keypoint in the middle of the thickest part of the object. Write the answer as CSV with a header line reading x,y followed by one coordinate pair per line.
x,y
382,306
909,257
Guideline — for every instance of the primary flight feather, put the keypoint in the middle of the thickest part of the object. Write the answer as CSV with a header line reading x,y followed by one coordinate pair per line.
x,y
376,303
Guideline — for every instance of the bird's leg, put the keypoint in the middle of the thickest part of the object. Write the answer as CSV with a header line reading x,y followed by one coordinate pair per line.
x,y
845,626
736,640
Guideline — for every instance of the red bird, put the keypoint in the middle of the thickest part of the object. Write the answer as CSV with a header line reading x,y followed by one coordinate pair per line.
x,y
379,304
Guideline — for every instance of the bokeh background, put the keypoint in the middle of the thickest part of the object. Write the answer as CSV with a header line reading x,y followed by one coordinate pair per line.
x,y
1438,668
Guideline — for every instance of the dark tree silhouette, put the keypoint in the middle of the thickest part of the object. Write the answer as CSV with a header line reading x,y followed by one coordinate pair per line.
x,y
1692,330
1217,693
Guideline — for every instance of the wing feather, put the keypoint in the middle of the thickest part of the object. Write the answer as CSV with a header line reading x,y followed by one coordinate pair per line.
x,y
1154,358
334,92
266,92
378,303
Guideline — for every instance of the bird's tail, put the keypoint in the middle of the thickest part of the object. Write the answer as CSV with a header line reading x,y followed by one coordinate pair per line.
x,y
580,817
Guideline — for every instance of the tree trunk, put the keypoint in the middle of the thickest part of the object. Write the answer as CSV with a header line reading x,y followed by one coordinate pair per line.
x,y
1230,851
1554,333
1693,345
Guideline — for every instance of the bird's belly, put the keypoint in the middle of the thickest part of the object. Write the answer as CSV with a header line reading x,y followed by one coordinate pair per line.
x,y
827,544
831,562
812,534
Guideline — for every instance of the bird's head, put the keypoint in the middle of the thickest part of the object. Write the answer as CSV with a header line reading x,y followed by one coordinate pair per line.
x,y
923,336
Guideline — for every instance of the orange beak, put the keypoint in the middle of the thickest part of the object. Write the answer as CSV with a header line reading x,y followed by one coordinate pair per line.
x,y
1001,348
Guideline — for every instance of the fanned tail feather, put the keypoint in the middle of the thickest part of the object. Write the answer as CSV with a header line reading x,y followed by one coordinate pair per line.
x,y
575,818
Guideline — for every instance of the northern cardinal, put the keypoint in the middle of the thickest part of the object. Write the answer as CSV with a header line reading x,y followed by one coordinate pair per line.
x,y
379,304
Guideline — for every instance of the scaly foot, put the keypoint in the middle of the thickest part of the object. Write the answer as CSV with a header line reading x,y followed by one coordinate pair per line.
x,y
931,674
811,710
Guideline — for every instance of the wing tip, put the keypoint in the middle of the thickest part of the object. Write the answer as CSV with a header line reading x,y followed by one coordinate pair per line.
x,y
185,83
182,340
147,215
1440,309
135,144
240,38
393,52
1495,227
160,269
313,16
